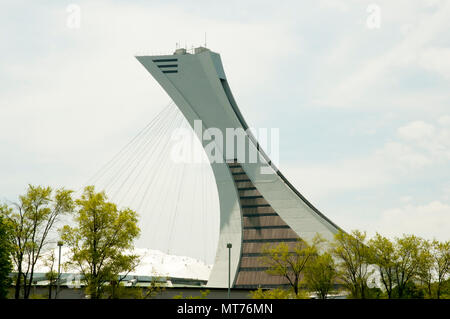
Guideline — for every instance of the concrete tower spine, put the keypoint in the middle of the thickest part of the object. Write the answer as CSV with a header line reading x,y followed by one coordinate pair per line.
x,y
255,207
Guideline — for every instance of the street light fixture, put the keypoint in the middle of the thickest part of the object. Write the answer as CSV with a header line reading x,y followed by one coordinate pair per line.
x,y
60,244
229,268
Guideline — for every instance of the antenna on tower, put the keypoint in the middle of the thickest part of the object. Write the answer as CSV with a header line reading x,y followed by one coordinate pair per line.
x,y
205,39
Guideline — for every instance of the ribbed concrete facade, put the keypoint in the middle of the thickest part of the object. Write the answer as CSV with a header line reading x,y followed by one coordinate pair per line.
x,y
262,227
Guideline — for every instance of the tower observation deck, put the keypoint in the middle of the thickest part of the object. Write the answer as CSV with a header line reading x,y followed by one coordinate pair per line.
x,y
258,205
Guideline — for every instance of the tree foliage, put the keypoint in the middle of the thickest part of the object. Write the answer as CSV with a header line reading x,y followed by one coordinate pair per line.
x,y
352,257
290,263
410,255
320,275
6,250
400,262
100,239
441,266
383,255
32,219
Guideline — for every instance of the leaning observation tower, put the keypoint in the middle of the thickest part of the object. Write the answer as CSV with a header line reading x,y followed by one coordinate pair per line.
x,y
258,205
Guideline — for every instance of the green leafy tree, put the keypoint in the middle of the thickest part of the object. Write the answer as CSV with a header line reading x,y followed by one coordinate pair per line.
x,y
320,275
441,264
352,256
434,269
411,254
401,262
100,239
290,264
32,219
384,256
6,249
425,272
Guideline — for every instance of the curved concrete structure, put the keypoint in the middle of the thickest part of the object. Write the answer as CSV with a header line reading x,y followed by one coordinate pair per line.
x,y
255,208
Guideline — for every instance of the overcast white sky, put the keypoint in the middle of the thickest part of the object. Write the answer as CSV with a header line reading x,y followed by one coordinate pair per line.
x,y
364,114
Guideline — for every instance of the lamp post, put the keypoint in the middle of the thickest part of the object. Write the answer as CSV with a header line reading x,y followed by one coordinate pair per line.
x,y
60,243
229,268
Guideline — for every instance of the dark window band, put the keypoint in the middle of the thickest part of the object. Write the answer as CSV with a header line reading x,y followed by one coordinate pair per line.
x,y
274,240
165,60
167,66
246,188
251,197
267,227
259,215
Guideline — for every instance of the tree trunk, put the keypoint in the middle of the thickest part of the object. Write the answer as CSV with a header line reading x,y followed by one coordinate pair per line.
x,y
27,289
25,282
50,290
363,291
30,282
400,292
296,286
18,282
